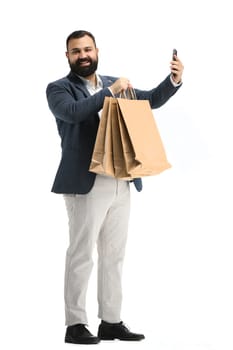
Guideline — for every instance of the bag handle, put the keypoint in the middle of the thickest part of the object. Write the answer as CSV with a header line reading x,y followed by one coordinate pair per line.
x,y
129,94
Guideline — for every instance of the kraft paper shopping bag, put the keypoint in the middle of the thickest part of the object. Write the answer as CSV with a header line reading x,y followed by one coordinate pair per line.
x,y
97,161
128,144
149,153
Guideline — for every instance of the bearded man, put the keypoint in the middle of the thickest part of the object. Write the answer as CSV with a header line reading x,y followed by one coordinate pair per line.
x,y
98,206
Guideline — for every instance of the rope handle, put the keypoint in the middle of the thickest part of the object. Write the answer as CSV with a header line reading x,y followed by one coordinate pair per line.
x,y
129,94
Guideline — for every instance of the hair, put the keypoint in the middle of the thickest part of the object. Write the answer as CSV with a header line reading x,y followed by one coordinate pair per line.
x,y
79,34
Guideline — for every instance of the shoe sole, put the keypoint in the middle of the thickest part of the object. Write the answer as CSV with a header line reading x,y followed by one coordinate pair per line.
x,y
123,339
83,341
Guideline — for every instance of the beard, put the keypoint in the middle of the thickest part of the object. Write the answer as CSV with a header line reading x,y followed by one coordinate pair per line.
x,y
84,71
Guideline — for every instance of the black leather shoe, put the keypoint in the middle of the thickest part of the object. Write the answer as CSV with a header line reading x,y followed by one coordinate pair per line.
x,y
111,331
79,334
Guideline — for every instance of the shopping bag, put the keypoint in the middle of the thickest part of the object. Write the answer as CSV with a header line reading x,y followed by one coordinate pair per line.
x,y
128,144
148,156
108,156
102,149
123,155
119,161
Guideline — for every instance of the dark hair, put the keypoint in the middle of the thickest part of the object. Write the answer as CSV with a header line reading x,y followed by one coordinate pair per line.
x,y
79,34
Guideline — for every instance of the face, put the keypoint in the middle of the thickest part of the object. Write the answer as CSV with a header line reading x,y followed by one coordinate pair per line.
x,y
82,56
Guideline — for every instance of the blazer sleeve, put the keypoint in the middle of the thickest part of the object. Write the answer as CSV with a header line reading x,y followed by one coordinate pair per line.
x,y
72,110
160,94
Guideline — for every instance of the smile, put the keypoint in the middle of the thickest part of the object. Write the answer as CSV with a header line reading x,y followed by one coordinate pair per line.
x,y
86,63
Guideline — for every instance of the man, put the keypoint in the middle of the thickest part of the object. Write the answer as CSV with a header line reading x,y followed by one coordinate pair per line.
x,y
97,206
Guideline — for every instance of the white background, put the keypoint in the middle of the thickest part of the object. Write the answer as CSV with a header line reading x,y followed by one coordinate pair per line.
x,y
178,269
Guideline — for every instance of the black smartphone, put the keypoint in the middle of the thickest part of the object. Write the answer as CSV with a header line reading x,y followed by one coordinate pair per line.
x,y
174,53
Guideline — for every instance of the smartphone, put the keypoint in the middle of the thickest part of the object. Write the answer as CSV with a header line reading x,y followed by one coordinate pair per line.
x,y
174,53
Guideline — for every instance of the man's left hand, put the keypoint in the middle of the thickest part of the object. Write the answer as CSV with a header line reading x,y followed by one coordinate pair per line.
x,y
176,70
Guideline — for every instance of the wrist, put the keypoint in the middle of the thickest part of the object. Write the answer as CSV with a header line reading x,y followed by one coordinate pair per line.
x,y
175,81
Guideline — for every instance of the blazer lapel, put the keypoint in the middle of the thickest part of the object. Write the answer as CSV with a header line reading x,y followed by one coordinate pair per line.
x,y
107,81
78,83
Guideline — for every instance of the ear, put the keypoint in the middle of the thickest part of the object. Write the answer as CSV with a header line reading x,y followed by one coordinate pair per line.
x,y
67,54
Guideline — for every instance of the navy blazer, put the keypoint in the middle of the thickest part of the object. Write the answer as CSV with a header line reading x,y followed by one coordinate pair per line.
x,y
76,113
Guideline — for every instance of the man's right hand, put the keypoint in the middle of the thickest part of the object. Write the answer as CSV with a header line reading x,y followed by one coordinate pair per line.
x,y
120,85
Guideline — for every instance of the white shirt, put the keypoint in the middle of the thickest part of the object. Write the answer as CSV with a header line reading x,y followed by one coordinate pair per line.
x,y
92,88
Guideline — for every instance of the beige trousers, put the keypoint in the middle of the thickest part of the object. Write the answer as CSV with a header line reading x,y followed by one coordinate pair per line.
x,y
98,217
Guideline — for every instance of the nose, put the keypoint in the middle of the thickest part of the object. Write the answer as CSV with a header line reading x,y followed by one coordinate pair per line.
x,y
82,54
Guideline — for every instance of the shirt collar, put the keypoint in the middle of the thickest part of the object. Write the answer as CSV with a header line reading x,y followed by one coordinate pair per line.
x,y
90,85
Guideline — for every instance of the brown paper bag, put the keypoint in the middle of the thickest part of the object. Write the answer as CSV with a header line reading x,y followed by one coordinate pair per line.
x,y
128,144
102,157
98,160
108,156
149,153
125,154
119,163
